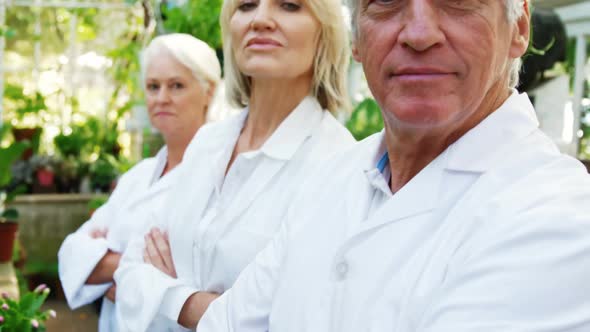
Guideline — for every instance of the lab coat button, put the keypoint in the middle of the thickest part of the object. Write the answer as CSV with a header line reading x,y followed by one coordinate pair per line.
x,y
342,270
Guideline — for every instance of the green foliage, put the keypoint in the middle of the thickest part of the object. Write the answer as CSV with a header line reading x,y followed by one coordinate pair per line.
x,y
7,32
366,119
103,172
8,156
25,315
80,142
20,104
199,18
97,202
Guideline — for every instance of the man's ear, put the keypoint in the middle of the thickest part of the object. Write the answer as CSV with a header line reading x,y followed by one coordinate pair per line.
x,y
355,52
521,37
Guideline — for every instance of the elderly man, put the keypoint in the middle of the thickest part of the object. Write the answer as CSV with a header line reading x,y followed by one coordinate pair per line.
x,y
460,216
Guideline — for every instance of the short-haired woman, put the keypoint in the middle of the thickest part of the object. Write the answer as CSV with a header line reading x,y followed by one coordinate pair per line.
x,y
180,75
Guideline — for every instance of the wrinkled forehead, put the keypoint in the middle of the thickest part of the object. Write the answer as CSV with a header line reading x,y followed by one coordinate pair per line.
x,y
513,7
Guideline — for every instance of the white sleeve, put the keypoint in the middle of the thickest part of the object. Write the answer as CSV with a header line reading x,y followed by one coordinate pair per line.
x,y
78,256
533,277
145,293
246,306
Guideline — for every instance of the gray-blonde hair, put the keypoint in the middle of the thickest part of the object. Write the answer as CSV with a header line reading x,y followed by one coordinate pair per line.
x,y
514,10
191,52
330,68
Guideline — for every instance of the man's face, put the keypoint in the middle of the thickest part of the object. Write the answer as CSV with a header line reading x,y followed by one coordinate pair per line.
x,y
437,63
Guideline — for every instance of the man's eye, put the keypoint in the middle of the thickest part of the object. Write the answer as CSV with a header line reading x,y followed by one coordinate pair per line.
x,y
383,4
463,4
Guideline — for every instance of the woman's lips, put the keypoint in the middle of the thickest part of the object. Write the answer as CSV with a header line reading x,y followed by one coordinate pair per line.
x,y
262,44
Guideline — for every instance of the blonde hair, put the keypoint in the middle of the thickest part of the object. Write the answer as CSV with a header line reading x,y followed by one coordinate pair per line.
x,y
330,69
191,52
514,11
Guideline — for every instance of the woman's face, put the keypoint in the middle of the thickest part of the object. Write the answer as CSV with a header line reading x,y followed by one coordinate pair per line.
x,y
176,101
274,38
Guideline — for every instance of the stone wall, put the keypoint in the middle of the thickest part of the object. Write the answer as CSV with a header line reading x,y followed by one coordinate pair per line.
x,y
45,220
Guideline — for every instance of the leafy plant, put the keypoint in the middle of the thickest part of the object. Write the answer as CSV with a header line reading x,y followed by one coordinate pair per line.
x,y
25,315
103,172
366,119
74,143
199,18
22,105
8,156
97,202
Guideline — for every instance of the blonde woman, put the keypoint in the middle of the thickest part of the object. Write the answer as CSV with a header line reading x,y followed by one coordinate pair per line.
x,y
180,76
286,63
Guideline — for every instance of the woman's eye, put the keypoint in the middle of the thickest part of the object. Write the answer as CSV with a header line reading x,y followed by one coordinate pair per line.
x,y
152,87
246,6
177,86
384,2
290,6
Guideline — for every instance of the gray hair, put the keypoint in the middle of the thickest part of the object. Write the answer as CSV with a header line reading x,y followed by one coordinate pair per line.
x,y
191,52
514,10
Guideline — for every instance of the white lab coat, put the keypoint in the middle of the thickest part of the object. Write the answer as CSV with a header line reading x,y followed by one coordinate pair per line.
x,y
210,253
139,194
493,235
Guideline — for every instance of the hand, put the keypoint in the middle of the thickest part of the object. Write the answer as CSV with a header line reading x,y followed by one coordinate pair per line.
x,y
157,252
99,233
111,292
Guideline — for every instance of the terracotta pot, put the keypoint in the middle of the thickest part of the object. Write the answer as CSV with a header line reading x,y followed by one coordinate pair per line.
x,y
27,134
7,236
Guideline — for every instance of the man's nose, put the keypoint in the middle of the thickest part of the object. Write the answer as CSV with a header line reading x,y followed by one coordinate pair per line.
x,y
421,26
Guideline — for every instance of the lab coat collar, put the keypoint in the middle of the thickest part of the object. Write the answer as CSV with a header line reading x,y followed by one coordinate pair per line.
x,y
378,175
161,160
294,130
282,144
418,196
280,148
375,150
476,151
225,134
156,183
480,148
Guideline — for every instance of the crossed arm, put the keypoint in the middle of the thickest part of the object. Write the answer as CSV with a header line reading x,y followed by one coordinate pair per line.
x,y
157,253
105,269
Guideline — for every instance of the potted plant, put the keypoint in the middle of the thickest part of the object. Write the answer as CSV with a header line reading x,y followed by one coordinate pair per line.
x,y
43,167
8,217
24,110
25,315
103,173
74,150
